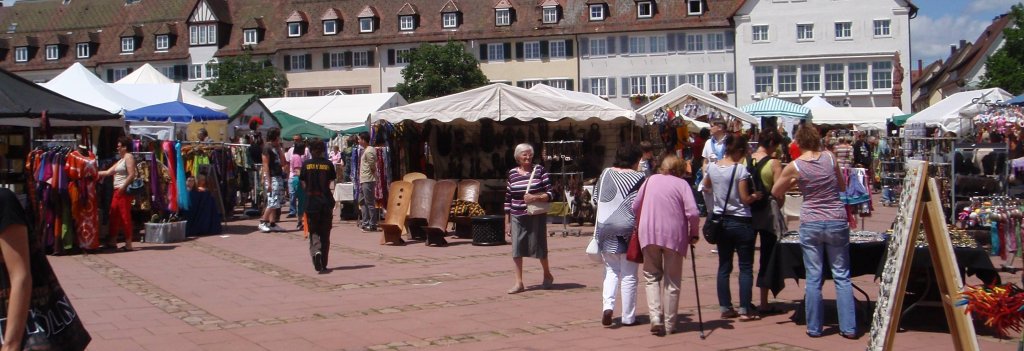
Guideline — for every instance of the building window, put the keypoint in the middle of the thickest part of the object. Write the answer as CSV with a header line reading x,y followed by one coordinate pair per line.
x,y
402,56
597,12
882,28
694,42
858,76
659,44
716,41
550,14
249,36
881,75
163,42
406,23
637,45
82,50
805,32
644,9
763,79
52,52
556,49
759,34
694,7
531,50
716,82
167,71
127,44
361,59
196,72
496,52
695,79
560,83
659,84
202,34
298,62
598,47
638,85
787,79
212,71
330,27
834,77
450,20
119,73
336,60
366,25
527,84
844,30
810,77
599,86
502,17
294,29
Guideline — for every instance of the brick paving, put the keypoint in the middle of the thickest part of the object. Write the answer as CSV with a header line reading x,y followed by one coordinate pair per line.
x,y
251,291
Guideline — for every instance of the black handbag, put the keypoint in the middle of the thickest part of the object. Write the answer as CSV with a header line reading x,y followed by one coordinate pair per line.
x,y
713,226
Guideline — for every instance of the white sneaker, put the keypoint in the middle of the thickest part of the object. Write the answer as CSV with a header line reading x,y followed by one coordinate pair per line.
x,y
276,228
263,227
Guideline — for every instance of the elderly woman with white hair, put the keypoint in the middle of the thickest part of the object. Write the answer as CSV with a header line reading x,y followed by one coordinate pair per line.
x,y
527,184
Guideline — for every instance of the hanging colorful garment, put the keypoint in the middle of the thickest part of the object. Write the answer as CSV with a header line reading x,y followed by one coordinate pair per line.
x,y
83,171
172,188
180,179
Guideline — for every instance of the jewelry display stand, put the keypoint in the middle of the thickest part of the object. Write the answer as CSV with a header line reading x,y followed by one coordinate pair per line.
x,y
563,153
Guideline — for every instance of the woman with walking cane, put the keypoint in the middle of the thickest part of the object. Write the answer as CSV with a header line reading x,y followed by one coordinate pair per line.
x,y
668,224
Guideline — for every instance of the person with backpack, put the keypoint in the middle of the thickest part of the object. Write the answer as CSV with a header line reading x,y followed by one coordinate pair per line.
x,y
317,176
764,169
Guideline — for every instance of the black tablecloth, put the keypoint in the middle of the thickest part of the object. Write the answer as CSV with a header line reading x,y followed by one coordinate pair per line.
x,y
204,218
868,258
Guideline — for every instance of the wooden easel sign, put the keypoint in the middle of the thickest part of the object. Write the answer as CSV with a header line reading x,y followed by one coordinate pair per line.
x,y
919,203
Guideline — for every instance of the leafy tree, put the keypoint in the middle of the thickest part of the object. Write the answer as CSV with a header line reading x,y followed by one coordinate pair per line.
x,y
241,75
1005,68
439,70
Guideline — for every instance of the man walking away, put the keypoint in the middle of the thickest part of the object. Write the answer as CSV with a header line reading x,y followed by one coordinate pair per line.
x,y
367,183
317,176
274,168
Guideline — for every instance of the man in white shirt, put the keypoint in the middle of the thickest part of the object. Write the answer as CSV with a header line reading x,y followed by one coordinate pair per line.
x,y
714,148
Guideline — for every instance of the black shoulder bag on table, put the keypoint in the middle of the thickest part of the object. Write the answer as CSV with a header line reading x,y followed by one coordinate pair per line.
x,y
713,226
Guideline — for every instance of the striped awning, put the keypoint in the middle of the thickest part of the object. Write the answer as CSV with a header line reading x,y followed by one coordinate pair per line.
x,y
775,107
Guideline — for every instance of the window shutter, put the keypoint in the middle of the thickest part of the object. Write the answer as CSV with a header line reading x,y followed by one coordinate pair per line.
x,y
610,44
611,86
287,62
672,82
624,44
130,70
568,85
309,60
110,75
730,40
371,60
508,51
730,81
671,42
348,58
327,60
625,87
180,72
391,57
519,50
568,48
584,47
585,85
544,49
483,52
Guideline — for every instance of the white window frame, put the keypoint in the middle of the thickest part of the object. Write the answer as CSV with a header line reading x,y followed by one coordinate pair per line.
x,y
637,45
127,45
882,28
119,73
529,83
637,85
294,29
844,30
760,33
694,42
211,34
599,86
659,84
336,60
658,44
195,72
502,17
531,50
163,42
82,50
863,76
212,71
690,5
556,49
360,59
788,78
559,83
835,80
596,12
298,62
718,80
598,47
816,74
52,52
400,58
764,79
881,75
716,42
406,23
250,37
366,25
21,54
805,32
193,35
644,9
495,52
550,14
695,79
450,20
334,27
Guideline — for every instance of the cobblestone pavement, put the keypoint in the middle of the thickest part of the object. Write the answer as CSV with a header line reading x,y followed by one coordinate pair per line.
x,y
251,291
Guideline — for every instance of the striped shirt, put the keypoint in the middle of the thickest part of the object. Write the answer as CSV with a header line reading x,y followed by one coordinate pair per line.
x,y
517,183
614,194
820,188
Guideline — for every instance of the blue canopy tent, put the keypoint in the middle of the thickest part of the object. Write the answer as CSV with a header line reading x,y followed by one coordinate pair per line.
x,y
174,112
1018,100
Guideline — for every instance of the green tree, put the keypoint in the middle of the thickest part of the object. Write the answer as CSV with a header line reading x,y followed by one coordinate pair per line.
x,y
241,75
1005,68
439,70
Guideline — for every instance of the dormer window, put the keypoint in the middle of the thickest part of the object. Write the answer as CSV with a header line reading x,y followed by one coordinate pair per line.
x,y
367,20
502,17
550,14
21,54
163,42
294,29
82,50
406,23
52,52
127,44
330,27
644,9
202,34
597,12
366,25
450,19
250,37
695,7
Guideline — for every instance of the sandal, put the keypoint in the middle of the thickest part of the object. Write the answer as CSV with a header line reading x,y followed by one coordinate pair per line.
x,y
516,290
750,317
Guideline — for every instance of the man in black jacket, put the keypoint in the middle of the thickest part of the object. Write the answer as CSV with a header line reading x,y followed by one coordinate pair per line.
x,y
317,177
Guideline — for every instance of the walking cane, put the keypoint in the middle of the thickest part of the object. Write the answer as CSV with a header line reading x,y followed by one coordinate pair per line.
x,y
700,318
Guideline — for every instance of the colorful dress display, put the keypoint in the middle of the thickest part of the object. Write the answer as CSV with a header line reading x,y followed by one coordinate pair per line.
x,y
83,171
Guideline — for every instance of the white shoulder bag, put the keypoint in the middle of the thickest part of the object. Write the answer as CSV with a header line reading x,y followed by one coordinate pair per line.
x,y
535,208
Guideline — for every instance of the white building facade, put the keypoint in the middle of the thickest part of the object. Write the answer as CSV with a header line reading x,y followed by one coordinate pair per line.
x,y
841,50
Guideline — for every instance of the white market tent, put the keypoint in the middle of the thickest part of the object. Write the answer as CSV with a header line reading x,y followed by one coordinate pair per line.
x,y
862,118
956,110
575,95
148,85
338,112
80,84
682,92
500,102
817,102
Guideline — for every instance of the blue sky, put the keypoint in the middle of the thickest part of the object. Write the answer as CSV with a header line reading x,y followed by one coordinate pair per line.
x,y
940,23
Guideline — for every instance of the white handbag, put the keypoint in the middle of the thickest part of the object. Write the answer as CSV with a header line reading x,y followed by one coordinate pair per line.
x,y
535,208
593,251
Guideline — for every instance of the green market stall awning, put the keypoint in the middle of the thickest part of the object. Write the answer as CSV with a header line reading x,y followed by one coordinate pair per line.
x,y
899,120
291,125
775,107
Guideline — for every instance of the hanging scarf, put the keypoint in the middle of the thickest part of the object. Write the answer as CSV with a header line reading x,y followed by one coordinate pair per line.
x,y
172,189
180,181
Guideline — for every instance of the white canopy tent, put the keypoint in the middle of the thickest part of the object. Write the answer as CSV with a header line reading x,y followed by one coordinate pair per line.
x,y
955,111
862,118
817,102
152,87
682,92
575,95
501,102
338,112
80,84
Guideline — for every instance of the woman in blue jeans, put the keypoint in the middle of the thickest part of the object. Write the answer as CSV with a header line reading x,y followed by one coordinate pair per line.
x,y
824,232
728,181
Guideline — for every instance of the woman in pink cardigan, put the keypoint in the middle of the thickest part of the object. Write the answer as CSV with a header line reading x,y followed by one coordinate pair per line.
x,y
668,223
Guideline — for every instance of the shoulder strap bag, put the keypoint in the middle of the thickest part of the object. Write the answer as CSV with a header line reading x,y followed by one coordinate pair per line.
x,y
714,226
535,208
